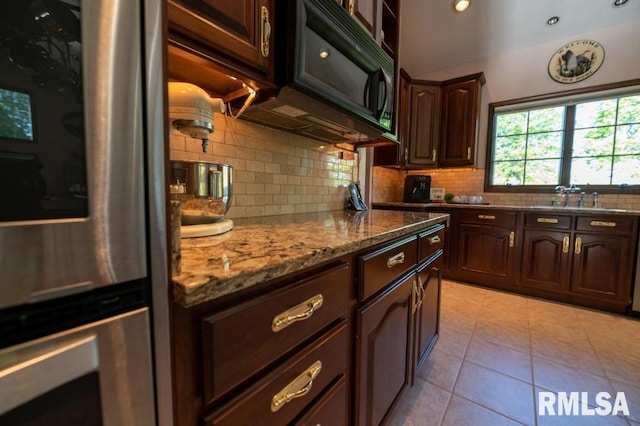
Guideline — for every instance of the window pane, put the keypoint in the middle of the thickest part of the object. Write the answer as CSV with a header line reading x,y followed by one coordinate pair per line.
x,y
542,172
592,142
628,139
626,170
546,120
510,148
629,110
508,173
511,124
544,145
599,113
591,171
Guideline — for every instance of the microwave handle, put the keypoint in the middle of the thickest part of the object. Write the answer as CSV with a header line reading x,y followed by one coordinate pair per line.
x,y
385,88
365,97
379,108
31,378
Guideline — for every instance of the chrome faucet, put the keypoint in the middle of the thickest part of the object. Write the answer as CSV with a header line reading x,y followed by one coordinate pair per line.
x,y
595,199
581,200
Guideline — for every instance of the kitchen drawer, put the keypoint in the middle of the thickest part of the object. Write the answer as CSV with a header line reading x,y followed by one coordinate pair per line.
x,y
489,217
430,242
381,267
548,221
609,224
242,341
331,410
315,368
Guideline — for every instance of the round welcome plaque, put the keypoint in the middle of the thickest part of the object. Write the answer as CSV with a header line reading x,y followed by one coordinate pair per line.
x,y
576,61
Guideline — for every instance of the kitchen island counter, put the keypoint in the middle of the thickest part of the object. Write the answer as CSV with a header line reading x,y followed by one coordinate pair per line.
x,y
259,249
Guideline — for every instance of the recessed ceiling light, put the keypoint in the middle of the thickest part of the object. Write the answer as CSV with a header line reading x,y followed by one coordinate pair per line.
x,y
461,5
553,20
618,3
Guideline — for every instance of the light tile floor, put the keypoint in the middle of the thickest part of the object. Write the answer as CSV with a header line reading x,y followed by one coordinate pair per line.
x,y
497,350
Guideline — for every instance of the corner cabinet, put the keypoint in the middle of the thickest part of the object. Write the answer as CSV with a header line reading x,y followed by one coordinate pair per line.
x,y
233,35
438,125
460,117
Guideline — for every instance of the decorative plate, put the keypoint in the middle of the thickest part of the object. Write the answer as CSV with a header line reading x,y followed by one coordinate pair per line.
x,y
576,61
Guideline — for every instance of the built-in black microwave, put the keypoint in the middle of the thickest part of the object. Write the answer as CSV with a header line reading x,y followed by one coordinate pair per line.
x,y
335,83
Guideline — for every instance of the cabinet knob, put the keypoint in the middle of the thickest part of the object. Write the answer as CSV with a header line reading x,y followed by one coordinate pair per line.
x,y
434,156
299,312
468,153
266,32
300,386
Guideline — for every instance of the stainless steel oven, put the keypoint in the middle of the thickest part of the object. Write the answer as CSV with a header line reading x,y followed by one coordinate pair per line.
x,y
75,286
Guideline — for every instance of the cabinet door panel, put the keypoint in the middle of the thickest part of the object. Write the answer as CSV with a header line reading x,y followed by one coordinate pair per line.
x,y
485,255
427,318
383,352
425,124
545,260
602,266
233,28
460,118
369,14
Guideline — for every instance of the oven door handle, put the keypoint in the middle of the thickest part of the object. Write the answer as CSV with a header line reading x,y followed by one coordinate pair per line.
x,y
33,377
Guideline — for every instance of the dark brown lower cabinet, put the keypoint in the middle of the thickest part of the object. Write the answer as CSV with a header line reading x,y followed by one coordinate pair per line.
x,y
427,311
485,254
546,260
383,351
602,266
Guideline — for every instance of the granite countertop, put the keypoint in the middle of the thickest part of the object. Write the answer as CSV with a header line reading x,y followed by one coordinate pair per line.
x,y
555,209
260,249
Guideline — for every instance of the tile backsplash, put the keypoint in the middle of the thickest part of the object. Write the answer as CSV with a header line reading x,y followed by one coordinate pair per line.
x,y
273,172
387,187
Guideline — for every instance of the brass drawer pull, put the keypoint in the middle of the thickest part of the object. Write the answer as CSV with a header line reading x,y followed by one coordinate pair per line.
x,y
395,260
266,32
434,240
414,298
601,223
468,153
300,386
434,156
565,244
299,312
512,238
486,216
546,220
352,6
578,248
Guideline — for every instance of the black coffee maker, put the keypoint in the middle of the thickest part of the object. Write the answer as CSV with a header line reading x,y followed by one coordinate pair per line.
x,y
417,189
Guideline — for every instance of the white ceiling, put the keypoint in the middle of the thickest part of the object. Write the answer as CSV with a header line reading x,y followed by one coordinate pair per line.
x,y
434,37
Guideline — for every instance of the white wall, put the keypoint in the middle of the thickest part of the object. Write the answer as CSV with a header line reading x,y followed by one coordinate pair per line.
x,y
523,73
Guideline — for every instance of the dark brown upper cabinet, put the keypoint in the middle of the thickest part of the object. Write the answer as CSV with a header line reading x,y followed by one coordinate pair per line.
x,y
209,40
438,125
